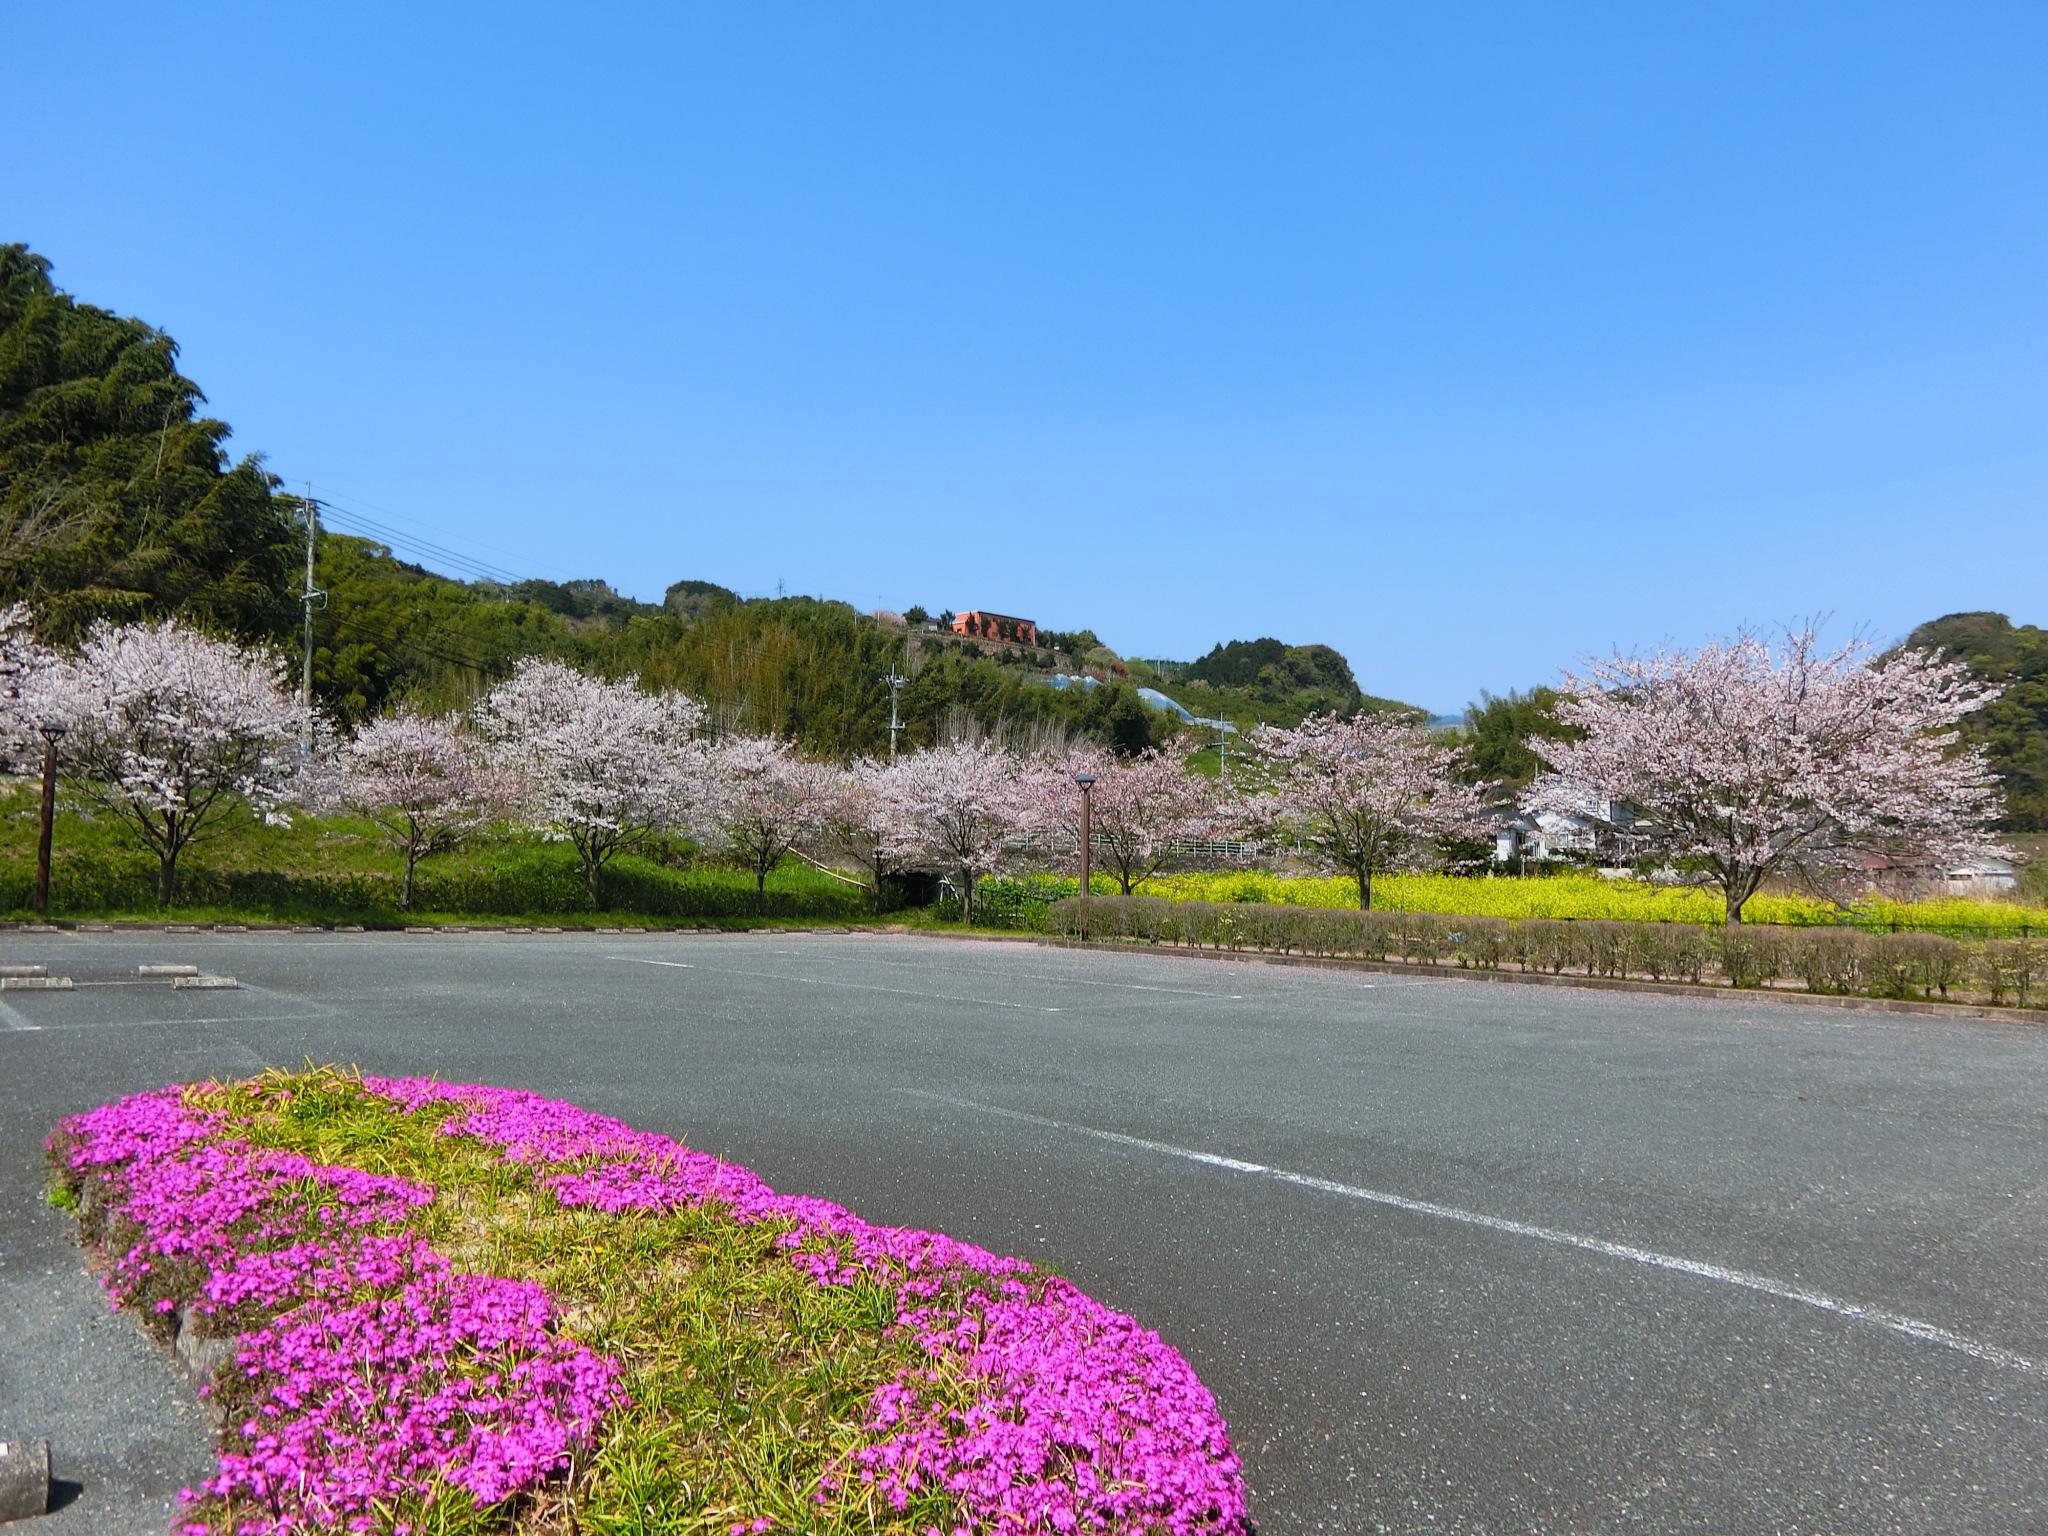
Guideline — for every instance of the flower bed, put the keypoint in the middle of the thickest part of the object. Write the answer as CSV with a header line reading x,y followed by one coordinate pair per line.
x,y
420,1307
1584,896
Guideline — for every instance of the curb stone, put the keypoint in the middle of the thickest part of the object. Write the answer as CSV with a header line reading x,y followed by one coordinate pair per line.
x,y
24,1479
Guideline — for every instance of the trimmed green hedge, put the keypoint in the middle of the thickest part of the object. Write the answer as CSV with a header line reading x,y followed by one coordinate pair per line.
x,y
1842,961
539,881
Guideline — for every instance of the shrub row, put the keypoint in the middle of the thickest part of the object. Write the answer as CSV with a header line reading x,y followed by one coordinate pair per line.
x,y
1835,960
523,886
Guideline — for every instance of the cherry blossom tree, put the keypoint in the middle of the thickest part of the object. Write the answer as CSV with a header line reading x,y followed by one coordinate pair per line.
x,y
762,800
602,765
22,663
962,806
424,782
1746,762
1144,810
172,732
855,823
1372,793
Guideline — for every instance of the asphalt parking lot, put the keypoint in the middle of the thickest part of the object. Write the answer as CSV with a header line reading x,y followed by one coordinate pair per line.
x,y
1454,1257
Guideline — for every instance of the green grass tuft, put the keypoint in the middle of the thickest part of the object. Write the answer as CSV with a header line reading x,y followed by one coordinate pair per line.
x,y
749,1381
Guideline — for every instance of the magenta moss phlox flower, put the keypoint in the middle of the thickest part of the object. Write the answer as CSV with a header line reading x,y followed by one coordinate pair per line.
x,y
378,1371
1087,1421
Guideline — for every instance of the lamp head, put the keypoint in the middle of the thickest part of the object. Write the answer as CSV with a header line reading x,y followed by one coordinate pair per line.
x,y
1085,780
52,731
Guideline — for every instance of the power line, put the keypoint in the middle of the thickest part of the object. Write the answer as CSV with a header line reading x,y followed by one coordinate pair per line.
x,y
444,564
365,506
466,565
415,647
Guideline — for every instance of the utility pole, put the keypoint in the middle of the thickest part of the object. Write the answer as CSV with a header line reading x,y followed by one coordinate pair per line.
x,y
895,688
309,597
1086,781
52,732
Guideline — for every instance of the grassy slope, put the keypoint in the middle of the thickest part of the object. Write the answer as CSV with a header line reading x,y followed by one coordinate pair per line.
x,y
341,869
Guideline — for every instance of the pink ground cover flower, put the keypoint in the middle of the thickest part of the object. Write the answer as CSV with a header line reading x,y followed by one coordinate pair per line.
x,y
369,1369
1086,1420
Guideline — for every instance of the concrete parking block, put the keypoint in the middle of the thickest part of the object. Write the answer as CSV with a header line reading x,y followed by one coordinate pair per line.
x,y
24,970
24,1478
204,983
167,970
35,983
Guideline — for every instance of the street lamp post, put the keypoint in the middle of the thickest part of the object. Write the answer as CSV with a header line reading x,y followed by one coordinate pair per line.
x,y
52,732
1087,783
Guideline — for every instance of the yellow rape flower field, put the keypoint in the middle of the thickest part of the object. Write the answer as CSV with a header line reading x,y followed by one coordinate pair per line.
x,y
1584,895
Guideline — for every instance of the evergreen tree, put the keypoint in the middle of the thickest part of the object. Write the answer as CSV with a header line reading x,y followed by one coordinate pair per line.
x,y
117,497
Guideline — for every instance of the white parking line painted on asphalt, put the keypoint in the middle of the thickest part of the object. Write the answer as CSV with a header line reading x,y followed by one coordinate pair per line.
x,y
1857,1312
225,1018
12,1021
857,986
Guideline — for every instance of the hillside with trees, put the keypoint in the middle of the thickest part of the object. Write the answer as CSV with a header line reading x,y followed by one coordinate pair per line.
x,y
1267,682
117,497
1497,732
2013,730
119,500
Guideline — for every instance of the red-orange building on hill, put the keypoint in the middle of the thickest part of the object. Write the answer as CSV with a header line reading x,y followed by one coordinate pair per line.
x,y
995,626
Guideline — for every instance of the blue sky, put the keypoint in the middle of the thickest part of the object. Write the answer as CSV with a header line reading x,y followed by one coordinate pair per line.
x,y
1468,339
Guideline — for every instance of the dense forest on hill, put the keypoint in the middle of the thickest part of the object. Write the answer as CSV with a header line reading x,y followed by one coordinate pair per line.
x,y
118,500
117,497
804,667
2015,728
1266,681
